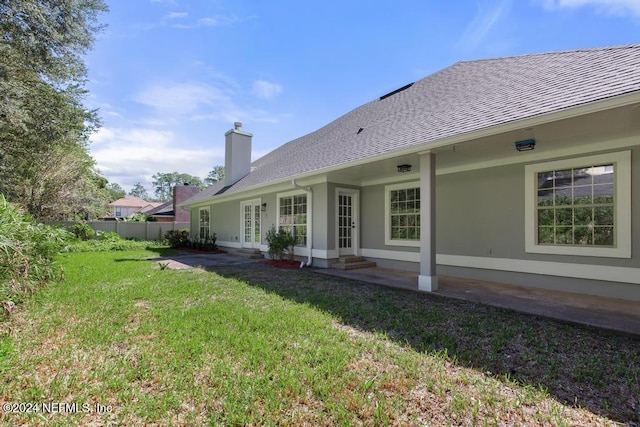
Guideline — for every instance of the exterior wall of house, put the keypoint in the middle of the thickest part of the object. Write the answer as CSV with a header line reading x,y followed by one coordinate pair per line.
x,y
372,241
323,225
270,216
481,213
125,211
225,222
481,235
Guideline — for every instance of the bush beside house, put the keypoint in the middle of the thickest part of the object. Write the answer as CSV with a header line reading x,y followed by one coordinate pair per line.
x,y
280,242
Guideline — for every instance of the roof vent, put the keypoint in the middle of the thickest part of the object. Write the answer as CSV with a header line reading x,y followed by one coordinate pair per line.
x,y
396,91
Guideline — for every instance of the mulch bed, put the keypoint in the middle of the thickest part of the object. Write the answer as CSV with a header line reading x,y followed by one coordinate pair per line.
x,y
281,263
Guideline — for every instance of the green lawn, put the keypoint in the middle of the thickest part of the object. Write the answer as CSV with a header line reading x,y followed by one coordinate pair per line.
x,y
260,346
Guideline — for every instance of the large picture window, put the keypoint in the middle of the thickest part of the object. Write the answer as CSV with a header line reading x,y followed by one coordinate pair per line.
x,y
204,223
293,216
575,206
580,206
402,214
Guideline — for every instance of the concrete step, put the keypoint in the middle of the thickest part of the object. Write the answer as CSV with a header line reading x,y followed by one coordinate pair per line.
x,y
350,258
249,253
353,265
352,262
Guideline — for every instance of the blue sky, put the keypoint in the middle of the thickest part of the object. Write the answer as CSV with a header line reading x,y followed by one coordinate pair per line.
x,y
171,76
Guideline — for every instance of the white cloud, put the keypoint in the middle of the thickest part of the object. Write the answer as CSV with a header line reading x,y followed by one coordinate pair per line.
x,y
487,16
200,101
208,21
130,155
612,7
176,15
183,98
266,90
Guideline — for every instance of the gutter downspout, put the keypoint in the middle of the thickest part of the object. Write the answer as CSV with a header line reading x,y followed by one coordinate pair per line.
x,y
309,220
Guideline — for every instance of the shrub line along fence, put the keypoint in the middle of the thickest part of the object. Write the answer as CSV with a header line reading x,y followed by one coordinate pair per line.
x,y
130,230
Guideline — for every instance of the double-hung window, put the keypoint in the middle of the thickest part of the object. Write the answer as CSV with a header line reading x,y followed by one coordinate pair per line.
x,y
402,214
580,206
292,216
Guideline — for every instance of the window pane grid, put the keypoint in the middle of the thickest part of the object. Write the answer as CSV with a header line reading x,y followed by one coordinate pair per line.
x,y
293,217
256,224
344,221
204,224
247,223
576,206
405,214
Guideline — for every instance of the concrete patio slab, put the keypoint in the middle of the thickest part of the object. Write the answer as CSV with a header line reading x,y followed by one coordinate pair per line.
x,y
606,313
192,260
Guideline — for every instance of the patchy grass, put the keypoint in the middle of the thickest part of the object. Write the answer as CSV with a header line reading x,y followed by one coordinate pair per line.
x,y
253,345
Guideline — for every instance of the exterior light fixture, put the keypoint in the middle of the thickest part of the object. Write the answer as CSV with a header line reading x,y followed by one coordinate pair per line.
x,y
263,207
404,168
525,145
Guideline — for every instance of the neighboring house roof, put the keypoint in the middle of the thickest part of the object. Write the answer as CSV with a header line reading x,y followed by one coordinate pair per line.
x,y
149,206
164,209
129,202
464,98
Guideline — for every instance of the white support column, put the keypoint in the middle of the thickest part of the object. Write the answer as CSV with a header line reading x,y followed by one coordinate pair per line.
x,y
427,280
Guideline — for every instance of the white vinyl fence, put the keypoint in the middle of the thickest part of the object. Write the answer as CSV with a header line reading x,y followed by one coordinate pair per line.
x,y
132,230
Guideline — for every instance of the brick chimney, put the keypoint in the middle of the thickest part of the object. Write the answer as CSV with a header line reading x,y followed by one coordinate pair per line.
x,y
237,154
180,194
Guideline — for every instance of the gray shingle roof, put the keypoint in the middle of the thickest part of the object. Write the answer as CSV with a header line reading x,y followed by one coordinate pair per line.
x,y
465,97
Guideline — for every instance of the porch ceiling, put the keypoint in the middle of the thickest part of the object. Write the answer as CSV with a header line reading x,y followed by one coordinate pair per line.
x,y
574,133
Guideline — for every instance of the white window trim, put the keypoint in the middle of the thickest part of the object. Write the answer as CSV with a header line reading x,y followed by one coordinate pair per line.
x,y
387,214
622,208
209,212
290,194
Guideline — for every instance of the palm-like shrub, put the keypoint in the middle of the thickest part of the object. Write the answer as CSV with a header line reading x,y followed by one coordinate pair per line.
x,y
27,251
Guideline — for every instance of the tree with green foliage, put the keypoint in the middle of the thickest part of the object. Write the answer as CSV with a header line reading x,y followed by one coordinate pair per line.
x,y
115,191
45,166
216,174
138,190
164,183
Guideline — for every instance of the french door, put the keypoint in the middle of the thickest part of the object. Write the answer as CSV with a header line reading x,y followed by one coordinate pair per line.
x,y
347,221
251,224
